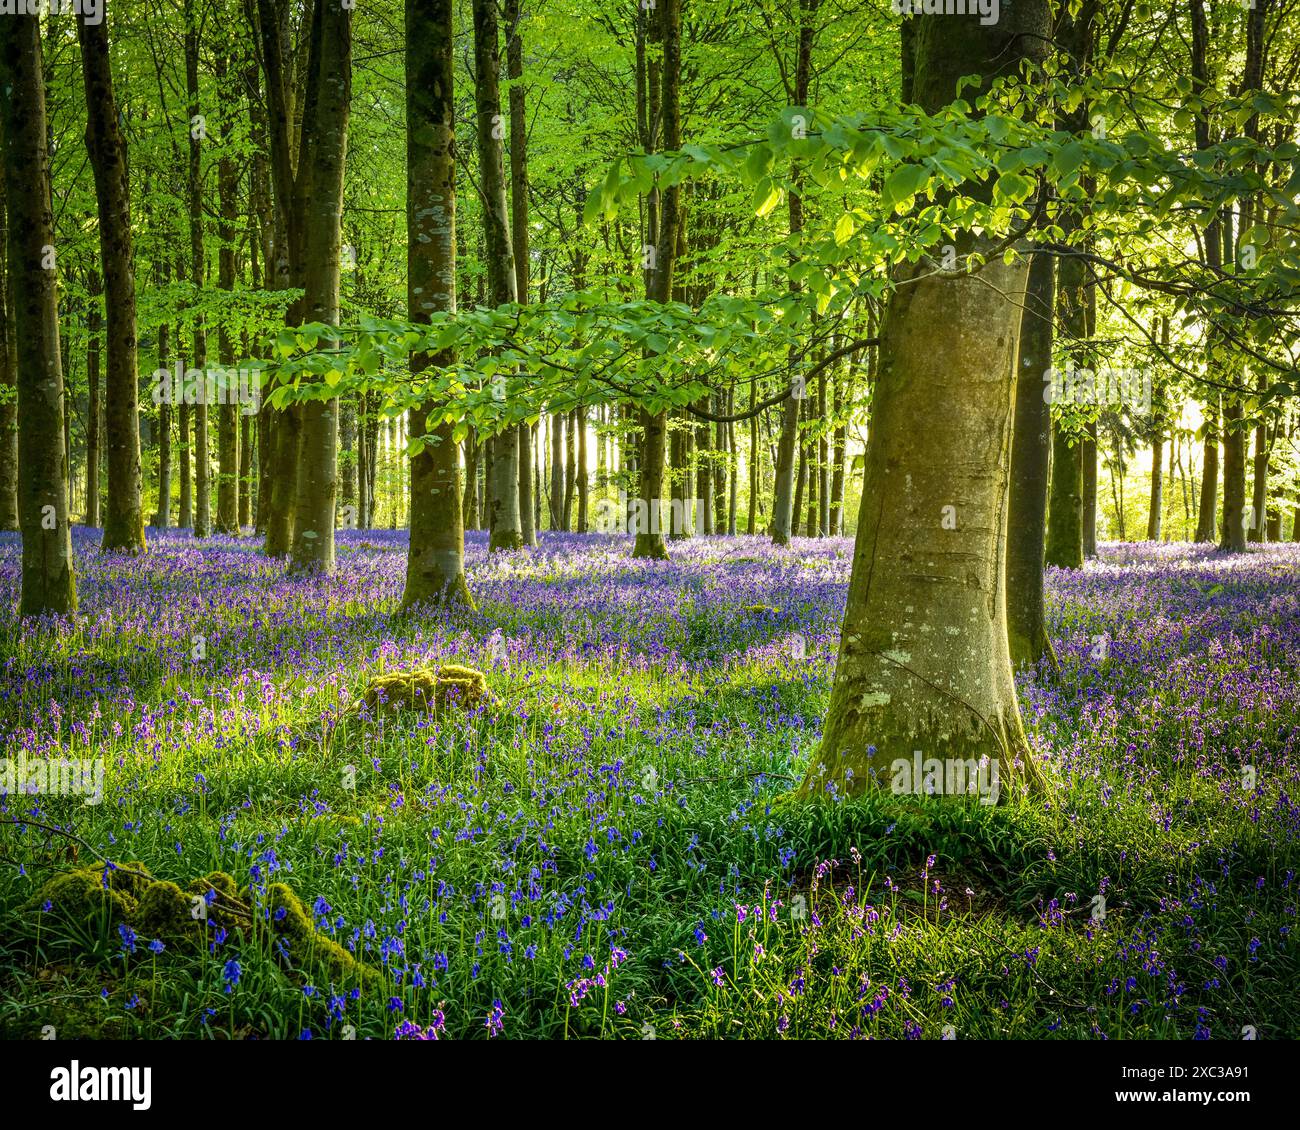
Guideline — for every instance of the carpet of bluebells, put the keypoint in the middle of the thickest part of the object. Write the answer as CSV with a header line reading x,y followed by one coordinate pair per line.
x,y
609,847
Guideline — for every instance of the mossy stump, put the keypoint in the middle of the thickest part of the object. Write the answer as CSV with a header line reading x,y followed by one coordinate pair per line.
x,y
426,690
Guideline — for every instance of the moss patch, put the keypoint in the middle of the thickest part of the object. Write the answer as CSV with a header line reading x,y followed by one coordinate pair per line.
x,y
426,689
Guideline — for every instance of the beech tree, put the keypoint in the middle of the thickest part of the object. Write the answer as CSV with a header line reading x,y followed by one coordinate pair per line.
x,y
924,661
48,583
435,563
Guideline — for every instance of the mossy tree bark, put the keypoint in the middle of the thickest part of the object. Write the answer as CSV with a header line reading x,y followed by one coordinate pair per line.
x,y
1031,449
435,561
924,662
505,519
48,583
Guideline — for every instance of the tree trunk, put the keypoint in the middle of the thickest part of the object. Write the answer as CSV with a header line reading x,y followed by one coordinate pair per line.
x,y
48,584
785,504
1259,493
124,515
1207,506
1157,507
580,424
228,408
1031,448
519,239
659,283
194,185
94,342
435,562
8,372
163,515
924,662
1089,446
1236,518
325,146
505,517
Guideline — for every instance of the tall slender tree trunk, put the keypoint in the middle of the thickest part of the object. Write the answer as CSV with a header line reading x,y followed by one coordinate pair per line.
x,y
8,371
505,518
227,404
1208,503
194,183
519,238
48,584
163,515
785,504
924,662
1031,449
1089,446
659,283
435,562
94,427
1155,513
325,147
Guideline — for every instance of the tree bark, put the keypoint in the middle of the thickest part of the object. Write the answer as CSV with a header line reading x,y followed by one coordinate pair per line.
x,y
124,514
8,372
649,540
924,662
94,429
228,409
435,562
48,584
505,516
324,149
1031,449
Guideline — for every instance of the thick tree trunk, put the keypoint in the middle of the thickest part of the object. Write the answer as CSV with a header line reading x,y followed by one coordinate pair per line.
x,y
1031,448
48,584
924,662
435,562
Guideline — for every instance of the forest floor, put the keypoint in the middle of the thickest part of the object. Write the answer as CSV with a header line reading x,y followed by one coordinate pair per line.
x,y
606,846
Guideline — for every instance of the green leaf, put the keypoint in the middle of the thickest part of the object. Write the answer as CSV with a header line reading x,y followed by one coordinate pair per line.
x,y
903,184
